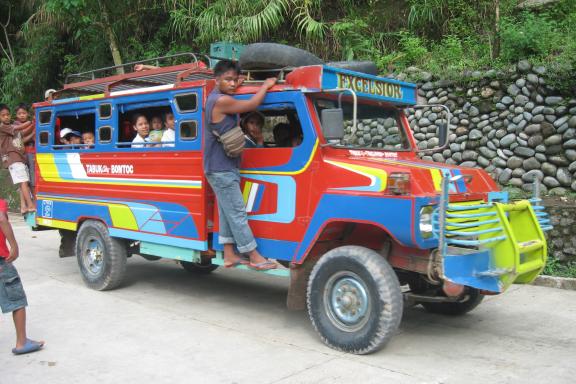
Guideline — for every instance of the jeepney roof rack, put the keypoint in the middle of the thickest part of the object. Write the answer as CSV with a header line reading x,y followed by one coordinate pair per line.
x,y
104,80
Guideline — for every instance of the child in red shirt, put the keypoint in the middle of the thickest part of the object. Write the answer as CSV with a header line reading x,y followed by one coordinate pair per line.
x,y
12,295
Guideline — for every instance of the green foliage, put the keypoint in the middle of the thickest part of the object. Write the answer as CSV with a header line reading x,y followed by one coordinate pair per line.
x,y
53,38
555,267
528,36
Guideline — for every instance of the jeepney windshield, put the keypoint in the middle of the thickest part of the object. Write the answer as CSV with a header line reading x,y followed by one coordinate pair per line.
x,y
378,124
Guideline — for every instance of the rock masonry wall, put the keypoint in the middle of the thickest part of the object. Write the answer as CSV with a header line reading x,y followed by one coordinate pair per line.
x,y
514,126
516,129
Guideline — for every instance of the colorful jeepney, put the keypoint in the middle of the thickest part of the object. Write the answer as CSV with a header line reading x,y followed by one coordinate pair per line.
x,y
352,217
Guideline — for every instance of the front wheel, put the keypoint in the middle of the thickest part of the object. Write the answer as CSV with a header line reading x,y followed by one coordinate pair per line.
x,y
101,258
354,300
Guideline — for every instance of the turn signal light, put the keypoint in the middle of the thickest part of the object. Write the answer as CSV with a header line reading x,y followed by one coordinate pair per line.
x,y
398,183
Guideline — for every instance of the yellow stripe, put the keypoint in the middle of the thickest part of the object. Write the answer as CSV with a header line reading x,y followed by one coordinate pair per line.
x,y
122,217
437,179
57,224
286,173
246,191
91,97
48,169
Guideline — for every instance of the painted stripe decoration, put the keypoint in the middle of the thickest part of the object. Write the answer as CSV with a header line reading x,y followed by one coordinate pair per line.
x,y
68,168
250,195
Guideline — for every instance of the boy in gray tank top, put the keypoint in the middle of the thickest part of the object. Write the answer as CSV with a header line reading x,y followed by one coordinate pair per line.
x,y
222,171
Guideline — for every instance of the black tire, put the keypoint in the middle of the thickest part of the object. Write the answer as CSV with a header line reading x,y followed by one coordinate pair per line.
x,y
275,56
101,258
354,275
473,298
203,268
367,67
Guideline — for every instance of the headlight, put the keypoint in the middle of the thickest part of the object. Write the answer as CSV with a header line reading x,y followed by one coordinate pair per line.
x,y
426,221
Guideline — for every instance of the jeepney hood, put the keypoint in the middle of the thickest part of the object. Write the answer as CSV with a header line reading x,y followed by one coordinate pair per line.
x,y
425,176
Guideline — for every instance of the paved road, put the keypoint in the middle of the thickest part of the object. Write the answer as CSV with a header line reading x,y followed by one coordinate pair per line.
x,y
164,326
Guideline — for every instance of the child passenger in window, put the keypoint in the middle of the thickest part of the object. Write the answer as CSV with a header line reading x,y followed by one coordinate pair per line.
x,y
88,140
156,133
142,128
252,126
168,136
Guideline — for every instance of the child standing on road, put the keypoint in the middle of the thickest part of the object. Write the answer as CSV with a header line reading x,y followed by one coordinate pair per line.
x,y
13,157
12,295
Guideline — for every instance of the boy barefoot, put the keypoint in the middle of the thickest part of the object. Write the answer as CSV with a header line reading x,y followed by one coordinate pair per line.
x,y
13,157
12,295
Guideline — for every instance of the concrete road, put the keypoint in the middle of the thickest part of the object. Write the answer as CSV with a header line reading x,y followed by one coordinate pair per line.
x,y
165,326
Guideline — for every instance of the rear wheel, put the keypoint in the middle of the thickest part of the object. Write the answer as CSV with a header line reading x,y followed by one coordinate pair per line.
x,y
472,299
101,258
354,300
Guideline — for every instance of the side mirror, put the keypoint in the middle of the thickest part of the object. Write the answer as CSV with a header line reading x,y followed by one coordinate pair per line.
x,y
332,123
442,134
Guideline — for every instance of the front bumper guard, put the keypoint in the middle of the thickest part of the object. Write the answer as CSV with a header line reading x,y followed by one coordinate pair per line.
x,y
490,245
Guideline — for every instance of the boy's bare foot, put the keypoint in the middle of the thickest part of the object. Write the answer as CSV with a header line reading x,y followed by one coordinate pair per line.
x,y
231,259
259,262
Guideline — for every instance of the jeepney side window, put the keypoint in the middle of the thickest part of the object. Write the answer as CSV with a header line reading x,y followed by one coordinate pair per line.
x,y
378,126
105,111
154,113
281,127
74,127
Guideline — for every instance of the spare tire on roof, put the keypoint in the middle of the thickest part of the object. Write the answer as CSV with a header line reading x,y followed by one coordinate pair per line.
x,y
272,56
367,67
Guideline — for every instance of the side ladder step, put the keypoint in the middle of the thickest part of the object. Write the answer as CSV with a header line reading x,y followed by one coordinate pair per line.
x,y
529,246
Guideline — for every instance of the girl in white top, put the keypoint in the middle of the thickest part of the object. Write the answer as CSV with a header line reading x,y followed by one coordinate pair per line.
x,y
169,136
142,128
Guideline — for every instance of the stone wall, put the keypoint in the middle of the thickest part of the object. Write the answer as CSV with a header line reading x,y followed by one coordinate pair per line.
x,y
511,124
515,127
562,239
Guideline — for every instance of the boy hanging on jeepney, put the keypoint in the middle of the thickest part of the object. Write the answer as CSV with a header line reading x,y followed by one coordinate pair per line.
x,y
222,171
28,135
169,136
13,157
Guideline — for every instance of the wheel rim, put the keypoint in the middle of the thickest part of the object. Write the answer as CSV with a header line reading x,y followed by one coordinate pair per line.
x,y
347,301
93,256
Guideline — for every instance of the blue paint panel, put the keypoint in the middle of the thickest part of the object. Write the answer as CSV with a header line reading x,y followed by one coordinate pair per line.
x,y
463,269
370,83
391,213
159,239
460,183
259,195
69,211
285,200
274,249
186,228
176,218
